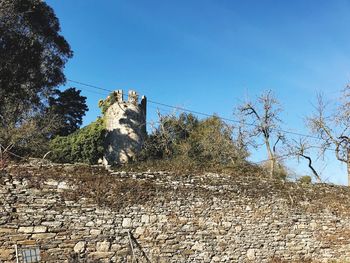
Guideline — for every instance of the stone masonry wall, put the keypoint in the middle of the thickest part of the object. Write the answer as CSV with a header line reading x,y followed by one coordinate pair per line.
x,y
220,219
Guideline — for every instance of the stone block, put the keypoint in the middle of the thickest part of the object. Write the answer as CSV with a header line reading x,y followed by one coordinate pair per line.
x,y
40,229
127,222
251,254
26,229
90,223
43,236
95,232
6,254
52,223
7,230
145,219
63,186
198,246
139,231
101,255
103,246
51,183
79,247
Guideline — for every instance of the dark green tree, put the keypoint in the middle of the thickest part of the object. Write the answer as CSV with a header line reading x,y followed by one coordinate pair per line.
x,y
84,145
32,58
171,131
70,107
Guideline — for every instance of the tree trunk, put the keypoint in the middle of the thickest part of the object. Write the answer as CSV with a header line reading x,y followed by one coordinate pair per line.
x,y
271,159
272,166
348,165
319,180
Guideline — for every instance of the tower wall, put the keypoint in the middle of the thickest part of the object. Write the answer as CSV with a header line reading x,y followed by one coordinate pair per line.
x,y
126,127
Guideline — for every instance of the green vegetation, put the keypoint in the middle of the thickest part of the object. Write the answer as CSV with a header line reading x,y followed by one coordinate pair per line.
x,y
184,142
70,107
305,179
84,145
33,54
105,104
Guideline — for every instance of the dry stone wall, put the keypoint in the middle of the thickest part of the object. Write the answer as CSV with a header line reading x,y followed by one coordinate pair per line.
x,y
219,219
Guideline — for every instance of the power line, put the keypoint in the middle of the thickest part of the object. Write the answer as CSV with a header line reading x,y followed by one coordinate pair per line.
x,y
209,115
95,92
206,114
88,85
227,119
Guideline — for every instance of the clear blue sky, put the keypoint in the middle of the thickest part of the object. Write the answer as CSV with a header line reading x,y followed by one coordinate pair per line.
x,y
208,55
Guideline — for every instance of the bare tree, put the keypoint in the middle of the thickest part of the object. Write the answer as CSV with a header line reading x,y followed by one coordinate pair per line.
x,y
262,120
300,149
333,127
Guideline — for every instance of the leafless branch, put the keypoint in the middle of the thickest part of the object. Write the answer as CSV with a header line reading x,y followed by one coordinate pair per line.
x,y
264,119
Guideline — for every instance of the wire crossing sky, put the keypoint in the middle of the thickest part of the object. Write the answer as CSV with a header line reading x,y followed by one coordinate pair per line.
x,y
209,55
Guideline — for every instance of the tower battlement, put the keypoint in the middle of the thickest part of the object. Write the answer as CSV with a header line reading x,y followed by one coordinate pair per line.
x,y
119,97
132,98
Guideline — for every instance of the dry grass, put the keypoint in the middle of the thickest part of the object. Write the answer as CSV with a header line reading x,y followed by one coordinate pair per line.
x,y
184,167
97,183
90,182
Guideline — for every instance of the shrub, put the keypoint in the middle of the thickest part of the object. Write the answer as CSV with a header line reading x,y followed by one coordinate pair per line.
x,y
190,142
84,145
212,143
165,142
105,104
305,179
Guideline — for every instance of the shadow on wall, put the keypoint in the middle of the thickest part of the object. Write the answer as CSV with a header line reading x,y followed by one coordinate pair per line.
x,y
123,144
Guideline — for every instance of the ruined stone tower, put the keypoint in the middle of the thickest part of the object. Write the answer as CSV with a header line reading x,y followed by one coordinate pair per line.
x,y
125,122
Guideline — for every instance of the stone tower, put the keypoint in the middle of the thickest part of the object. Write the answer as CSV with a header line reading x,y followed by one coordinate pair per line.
x,y
125,122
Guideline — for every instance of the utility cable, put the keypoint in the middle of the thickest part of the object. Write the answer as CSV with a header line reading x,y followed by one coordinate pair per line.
x,y
206,114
